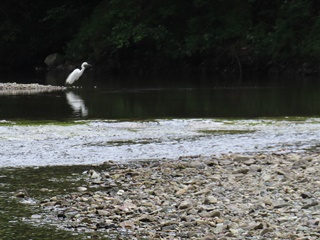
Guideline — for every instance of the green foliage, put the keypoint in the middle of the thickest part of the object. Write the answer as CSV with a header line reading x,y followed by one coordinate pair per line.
x,y
282,29
209,29
114,25
311,42
289,28
159,29
9,31
128,33
30,30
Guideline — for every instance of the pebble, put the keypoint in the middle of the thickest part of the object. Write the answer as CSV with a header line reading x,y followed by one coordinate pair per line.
x,y
210,200
266,196
82,189
36,216
185,204
103,212
94,174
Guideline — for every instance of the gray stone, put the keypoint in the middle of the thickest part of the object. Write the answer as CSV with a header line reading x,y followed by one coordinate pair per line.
x,y
53,59
310,204
103,212
210,200
243,170
219,228
185,204
82,189
168,201
93,174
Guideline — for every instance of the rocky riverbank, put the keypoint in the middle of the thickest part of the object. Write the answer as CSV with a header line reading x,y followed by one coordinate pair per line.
x,y
19,88
220,197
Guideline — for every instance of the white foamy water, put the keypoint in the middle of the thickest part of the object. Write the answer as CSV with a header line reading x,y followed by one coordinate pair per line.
x,y
98,141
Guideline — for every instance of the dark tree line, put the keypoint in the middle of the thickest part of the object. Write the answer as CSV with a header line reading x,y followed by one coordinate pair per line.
x,y
143,35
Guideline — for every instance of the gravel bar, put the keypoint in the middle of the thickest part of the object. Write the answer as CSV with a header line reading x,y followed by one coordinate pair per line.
x,y
19,88
231,196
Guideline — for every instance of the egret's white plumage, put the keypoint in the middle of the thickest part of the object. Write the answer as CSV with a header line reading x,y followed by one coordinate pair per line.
x,y
76,74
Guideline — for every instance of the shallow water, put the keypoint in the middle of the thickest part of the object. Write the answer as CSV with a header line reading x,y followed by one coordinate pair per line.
x,y
21,218
157,117
128,119
94,142
132,98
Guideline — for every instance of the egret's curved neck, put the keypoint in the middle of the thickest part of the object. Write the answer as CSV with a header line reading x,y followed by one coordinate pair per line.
x,y
82,68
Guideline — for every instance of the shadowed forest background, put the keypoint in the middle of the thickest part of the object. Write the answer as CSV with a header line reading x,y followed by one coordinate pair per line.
x,y
150,36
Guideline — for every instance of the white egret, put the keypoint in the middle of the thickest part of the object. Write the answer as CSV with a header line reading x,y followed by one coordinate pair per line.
x,y
76,74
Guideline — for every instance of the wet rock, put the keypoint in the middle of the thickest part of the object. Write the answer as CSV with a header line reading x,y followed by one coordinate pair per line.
x,y
82,189
47,204
20,194
70,213
93,174
45,190
36,216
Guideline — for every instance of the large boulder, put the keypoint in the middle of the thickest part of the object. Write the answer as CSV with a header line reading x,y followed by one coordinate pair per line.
x,y
53,59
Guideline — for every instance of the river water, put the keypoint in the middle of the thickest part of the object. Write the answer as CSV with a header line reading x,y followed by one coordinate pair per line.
x,y
131,118
117,118
136,98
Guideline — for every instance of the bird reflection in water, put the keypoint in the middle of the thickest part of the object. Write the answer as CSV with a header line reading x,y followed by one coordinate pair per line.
x,y
77,104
